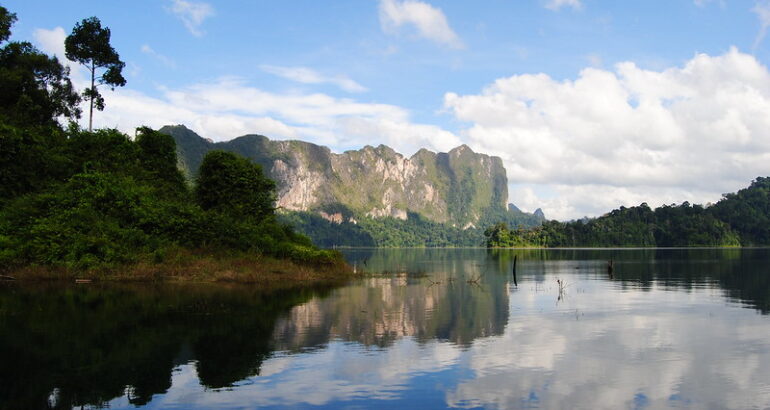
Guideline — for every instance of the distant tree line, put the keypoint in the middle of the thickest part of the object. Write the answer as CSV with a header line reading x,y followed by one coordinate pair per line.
x,y
738,219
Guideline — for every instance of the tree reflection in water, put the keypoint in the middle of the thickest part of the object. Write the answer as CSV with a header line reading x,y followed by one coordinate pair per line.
x,y
65,346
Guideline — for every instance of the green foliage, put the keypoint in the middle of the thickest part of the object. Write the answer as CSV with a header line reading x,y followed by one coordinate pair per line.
x,y
158,157
692,225
325,233
415,231
106,150
83,199
747,212
639,226
233,184
89,45
93,218
6,21
35,89
114,201
30,160
500,235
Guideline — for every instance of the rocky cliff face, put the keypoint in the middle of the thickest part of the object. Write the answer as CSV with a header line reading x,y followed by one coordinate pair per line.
x,y
455,187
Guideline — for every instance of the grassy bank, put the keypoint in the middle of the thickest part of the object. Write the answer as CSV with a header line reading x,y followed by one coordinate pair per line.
x,y
199,266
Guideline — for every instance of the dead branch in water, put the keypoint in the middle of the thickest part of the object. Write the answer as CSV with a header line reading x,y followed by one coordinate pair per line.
x,y
515,258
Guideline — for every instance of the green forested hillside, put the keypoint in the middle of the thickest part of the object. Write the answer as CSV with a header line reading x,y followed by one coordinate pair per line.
x,y
415,231
738,219
747,212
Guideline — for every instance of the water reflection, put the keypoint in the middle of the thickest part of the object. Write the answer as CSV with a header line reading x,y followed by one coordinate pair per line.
x,y
428,328
72,346
424,294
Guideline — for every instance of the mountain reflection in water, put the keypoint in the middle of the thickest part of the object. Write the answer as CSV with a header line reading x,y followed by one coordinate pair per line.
x,y
427,327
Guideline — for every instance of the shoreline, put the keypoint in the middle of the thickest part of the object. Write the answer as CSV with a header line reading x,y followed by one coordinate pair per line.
x,y
185,267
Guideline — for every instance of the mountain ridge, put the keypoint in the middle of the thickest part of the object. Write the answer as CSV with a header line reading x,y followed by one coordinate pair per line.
x,y
457,187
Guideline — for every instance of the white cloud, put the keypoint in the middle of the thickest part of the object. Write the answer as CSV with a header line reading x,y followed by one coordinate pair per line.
x,y
430,22
762,10
52,42
556,5
192,14
627,135
146,49
229,107
309,76
406,136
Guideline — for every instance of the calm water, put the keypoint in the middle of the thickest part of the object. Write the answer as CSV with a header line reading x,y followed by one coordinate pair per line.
x,y
429,328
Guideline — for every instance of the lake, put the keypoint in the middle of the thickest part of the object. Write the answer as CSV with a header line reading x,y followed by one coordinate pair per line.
x,y
425,328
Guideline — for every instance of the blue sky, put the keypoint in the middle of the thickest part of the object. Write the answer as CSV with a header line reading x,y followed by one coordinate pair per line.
x,y
591,104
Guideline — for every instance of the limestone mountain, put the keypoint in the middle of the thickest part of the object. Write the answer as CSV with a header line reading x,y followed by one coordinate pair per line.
x,y
459,187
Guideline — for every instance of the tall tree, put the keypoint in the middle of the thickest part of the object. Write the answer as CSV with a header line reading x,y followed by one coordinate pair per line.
x,y
34,88
6,21
89,45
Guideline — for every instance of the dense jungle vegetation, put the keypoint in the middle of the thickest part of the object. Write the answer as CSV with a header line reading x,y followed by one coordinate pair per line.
x,y
415,231
738,219
75,200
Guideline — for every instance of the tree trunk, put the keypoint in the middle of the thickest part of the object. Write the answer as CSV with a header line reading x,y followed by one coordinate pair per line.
x,y
91,112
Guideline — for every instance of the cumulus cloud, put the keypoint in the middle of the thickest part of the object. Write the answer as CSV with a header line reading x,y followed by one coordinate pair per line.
x,y
52,42
430,22
556,5
621,136
309,76
230,107
192,14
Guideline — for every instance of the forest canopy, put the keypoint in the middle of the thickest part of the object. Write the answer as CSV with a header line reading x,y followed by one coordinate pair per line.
x,y
77,199
738,219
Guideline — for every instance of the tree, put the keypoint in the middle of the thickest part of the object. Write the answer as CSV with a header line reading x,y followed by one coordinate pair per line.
x,y
234,185
158,157
89,45
35,89
6,21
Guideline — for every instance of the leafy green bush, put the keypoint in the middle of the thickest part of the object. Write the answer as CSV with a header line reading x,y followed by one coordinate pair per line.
x,y
90,220
234,185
